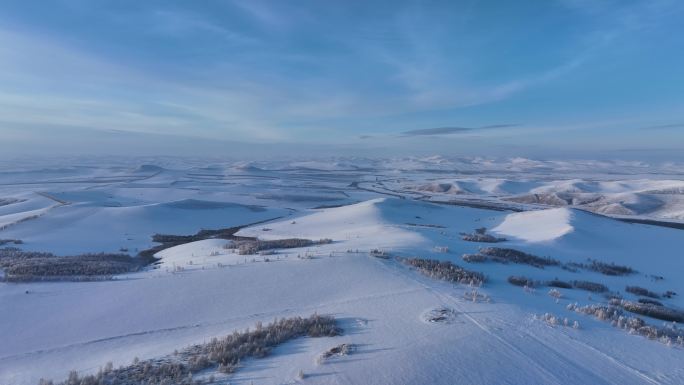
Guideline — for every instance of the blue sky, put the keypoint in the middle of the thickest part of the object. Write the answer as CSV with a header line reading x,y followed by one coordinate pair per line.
x,y
575,77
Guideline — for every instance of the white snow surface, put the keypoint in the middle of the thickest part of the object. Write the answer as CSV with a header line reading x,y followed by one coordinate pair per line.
x,y
204,289
537,226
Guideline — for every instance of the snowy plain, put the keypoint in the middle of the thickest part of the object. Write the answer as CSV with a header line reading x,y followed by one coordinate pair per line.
x,y
412,207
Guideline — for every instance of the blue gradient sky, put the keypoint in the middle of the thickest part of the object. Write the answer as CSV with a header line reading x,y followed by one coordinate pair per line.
x,y
480,77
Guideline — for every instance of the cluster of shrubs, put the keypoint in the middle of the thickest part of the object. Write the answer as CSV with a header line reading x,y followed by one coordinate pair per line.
x,y
377,253
480,235
474,258
336,351
651,310
523,281
668,334
594,287
20,265
13,241
224,354
445,271
558,283
503,255
602,267
519,280
637,290
249,247
554,320
24,219
650,301
9,201
440,314
224,233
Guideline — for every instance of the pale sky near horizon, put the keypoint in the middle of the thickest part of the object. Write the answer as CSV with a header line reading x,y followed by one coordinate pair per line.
x,y
535,77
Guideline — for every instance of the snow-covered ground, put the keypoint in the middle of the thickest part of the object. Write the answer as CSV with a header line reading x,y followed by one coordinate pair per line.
x,y
204,289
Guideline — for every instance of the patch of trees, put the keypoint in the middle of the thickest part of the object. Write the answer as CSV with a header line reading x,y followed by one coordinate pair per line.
x,y
637,290
377,253
668,334
440,314
24,219
12,241
503,255
594,287
223,354
20,265
445,270
480,235
9,201
652,310
602,267
519,280
650,301
248,247
225,233
474,258
558,283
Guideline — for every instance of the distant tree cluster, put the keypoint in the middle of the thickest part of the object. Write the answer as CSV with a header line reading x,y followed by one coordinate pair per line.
x,y
506,255
480,235
445,271
9,201
503,255
554,320
223,354
20,265
24,219
590,286
248,247
474,258
651,310
523,281
603,268
650,301
224,233
12,241
377,253
668,334
558,283
519,280
637,290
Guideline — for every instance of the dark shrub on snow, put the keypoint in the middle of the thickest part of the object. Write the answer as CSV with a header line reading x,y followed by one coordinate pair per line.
x,y
590,286
445,271
504,255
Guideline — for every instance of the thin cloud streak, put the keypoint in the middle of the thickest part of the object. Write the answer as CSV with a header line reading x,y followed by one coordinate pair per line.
x,y
664,126
452,130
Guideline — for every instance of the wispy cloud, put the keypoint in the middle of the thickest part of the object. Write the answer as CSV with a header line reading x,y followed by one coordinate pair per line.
x,y
664,126
452,130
